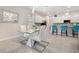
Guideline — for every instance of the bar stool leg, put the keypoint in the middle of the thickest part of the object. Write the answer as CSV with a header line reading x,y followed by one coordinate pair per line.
x,y
52,32
61,32
66,33
77,34
56,32
73,33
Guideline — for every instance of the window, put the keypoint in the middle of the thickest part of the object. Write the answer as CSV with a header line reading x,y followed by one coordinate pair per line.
x,y
8,17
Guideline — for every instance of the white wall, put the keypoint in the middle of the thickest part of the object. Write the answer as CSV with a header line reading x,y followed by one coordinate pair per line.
x,y
38,18
9,30
61,19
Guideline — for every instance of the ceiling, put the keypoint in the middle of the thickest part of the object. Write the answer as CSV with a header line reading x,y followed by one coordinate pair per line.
x,y
56,10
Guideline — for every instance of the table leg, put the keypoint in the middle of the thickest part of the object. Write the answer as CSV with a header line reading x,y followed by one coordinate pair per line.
x,y
30,43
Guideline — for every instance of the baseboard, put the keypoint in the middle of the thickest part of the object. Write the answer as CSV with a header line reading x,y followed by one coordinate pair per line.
x,y
7,38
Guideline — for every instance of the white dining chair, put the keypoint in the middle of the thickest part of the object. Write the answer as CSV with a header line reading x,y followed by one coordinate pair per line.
x,y
23,30
38,43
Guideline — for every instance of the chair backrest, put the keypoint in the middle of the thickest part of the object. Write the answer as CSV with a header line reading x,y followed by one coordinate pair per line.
x,y
35,35
64,27
75,28
53,27
23,28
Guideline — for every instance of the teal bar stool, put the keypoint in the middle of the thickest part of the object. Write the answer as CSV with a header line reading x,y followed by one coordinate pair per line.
x,y
75,30
54,29
64,29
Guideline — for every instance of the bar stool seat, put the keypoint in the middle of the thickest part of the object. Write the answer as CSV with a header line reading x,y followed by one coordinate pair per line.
x,y
75,30
54,29
64,29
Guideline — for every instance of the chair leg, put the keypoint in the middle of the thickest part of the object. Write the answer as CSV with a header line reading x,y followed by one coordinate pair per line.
x,y
52,32
73,33
77,34
66,33
61,32
56,32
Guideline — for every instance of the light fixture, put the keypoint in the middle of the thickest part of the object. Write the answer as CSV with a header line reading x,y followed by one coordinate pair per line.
x,y
76,15
33,9
67,13
69,7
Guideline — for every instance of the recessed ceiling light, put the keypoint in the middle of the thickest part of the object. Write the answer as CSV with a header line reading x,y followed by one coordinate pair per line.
x,y
33,10
68,6
67,14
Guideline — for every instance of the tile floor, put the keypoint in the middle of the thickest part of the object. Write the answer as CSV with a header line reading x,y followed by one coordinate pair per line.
x,y
57,44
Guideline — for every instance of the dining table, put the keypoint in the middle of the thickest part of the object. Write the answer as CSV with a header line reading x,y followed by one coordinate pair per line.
x,y
30,41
